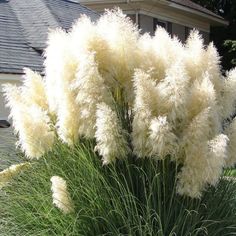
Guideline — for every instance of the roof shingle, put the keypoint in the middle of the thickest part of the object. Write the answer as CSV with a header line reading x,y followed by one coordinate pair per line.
x,y
24,26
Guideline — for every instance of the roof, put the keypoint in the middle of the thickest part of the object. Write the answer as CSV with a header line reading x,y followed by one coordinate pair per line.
x,y
182,6
24,26
195,6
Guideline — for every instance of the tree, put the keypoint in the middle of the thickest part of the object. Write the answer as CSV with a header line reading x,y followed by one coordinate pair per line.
x,y
224,37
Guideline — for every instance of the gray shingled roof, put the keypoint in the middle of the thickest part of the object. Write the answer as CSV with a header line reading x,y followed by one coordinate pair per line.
x,y
194,6
24,26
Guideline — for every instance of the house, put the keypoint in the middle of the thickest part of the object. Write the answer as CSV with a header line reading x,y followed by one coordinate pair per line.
x,y
178,17
24,26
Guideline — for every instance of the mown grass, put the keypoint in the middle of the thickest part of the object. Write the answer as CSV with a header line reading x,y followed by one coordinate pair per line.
x,y
129,197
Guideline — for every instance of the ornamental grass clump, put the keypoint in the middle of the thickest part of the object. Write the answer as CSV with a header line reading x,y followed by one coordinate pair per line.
x,y
139,128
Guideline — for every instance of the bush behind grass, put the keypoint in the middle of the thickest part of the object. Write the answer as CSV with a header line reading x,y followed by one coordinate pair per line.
x,y
129,197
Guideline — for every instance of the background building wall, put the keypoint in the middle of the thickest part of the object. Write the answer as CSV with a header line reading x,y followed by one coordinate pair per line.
x,y
146,24
4,79
179,31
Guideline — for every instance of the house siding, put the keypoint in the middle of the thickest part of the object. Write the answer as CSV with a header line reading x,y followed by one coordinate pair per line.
x,y
146,24
178,31
179,21
6,79
205,36
3,110
7,139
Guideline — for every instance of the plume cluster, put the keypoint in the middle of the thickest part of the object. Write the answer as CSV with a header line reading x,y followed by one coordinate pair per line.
x,y
110,137
177,99
12,171
60,195
31,121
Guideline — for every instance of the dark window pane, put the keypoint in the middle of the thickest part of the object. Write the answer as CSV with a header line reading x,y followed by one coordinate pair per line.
x,y
187,32
157,22
169,28
132,17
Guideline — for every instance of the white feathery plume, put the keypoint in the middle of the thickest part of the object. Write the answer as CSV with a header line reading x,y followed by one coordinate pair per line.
x,y
141,123
85,38
204,160
13,96
61,68
30,122
202,95
217,157
146,93
212,62
36,136
158,52
33,89
228,99
192,178
174,91
91,90
10,172
122,44
162,140
111,142
166,50
60,195
149,57
195,55
145,108
231,133
67,118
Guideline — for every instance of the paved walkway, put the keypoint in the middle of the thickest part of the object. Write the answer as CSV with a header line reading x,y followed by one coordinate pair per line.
x,y
7,147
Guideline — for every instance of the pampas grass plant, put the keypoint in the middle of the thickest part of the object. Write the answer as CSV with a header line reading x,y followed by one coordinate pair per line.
x,y
131,131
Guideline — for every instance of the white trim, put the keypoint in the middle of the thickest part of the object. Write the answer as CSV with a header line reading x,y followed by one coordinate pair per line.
x,y
133,12
210,18
199,13
173,20
136,17
88,2
10,77
159,15
109,1
159,11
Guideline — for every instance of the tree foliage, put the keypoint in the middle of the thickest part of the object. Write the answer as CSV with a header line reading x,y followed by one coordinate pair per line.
x,y
224,37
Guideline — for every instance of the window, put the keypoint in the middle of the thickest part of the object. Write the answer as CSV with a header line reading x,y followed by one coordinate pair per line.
x,y
169,28
164,24
157,22
205,36
187,31
132,17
